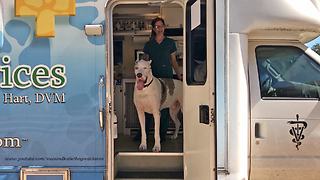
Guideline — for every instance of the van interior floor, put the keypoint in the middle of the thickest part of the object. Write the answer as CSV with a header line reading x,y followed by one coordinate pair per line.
x,y
125,143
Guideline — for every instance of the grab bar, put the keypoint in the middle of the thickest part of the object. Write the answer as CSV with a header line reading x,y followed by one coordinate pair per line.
x,y
101,107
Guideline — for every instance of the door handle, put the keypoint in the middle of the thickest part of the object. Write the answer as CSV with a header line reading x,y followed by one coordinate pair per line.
x,y
101,106
204,114
260,131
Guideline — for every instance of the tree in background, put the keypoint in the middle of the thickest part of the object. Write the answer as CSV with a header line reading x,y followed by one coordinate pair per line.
x,y
316,48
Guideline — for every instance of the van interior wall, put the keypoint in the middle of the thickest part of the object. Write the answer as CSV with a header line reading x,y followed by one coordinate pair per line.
x,y
129,58
124,71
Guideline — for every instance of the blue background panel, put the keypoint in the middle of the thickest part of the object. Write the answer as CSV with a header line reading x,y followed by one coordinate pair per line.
x,y
54,133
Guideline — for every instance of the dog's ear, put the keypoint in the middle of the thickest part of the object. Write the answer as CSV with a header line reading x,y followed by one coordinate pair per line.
x,y
150,61
200,62
136,61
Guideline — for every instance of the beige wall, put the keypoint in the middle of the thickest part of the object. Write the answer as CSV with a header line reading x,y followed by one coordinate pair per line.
x,y
129,48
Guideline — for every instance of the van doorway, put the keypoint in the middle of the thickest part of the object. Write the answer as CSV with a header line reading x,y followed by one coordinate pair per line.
x,y
131,29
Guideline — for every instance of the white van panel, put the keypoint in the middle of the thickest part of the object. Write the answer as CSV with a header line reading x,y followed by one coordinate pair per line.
x,y
248,16
238,107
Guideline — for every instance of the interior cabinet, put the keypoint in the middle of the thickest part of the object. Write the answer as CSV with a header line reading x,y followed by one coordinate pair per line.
x,y
167,13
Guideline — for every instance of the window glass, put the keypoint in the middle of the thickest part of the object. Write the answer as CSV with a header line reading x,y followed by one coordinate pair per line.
x,y
287,72
196,42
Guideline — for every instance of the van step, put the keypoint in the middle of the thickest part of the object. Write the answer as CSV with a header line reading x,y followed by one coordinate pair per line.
x,y
150,175
148,165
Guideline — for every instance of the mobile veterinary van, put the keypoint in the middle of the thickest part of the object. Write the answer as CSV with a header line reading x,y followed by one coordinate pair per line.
x,y
251,90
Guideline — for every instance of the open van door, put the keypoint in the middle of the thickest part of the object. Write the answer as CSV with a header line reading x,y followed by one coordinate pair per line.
x,y
199,92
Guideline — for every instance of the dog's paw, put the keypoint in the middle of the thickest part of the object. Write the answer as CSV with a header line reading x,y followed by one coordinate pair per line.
x,y
174,137
156,148
143,147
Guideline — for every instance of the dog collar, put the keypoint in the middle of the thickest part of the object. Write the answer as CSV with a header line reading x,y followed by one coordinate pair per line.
x,y
148,84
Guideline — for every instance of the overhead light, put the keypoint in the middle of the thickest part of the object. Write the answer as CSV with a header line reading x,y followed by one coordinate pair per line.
x,y
166,1
154,3
93,29
158,3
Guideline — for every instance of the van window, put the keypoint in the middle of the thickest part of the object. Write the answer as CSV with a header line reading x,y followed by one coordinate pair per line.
x,y
196,31
287,72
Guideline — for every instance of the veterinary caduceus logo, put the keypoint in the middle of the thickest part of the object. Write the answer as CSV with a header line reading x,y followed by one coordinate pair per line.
x,y
45,12
297,131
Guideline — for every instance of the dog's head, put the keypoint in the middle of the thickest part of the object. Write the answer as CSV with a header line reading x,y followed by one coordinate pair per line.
x,y
200,71
142,69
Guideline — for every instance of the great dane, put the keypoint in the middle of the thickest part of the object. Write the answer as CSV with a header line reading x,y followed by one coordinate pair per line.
x,y
151,95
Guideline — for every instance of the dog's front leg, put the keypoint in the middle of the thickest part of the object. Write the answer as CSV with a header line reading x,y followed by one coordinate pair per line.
x,y
157,146
142,120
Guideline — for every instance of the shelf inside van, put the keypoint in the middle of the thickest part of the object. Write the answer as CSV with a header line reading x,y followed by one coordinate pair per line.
x,y
131,32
